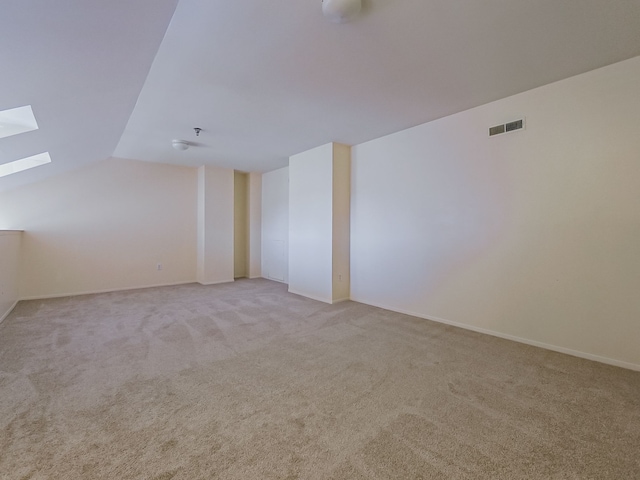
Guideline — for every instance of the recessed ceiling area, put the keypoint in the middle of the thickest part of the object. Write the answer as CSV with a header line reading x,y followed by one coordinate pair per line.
x,y
267,80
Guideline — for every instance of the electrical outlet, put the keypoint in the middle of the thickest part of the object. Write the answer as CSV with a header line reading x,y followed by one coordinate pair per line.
x,y
159,266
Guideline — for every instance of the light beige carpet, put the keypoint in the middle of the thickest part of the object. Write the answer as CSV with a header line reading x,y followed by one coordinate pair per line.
x,y
245,381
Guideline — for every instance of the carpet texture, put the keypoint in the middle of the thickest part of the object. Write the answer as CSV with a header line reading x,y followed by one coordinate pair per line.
x,y
246,381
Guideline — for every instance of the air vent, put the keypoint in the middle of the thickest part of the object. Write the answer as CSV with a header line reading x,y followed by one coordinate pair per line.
x,y
507,127
511,126
498,129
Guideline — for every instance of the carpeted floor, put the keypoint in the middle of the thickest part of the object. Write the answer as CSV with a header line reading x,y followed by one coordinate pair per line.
x,y
245,381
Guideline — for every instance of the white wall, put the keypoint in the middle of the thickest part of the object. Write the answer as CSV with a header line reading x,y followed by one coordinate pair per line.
x,y
533,235
255,225
105,227
319,197
10,252
215,257
275,225
311,223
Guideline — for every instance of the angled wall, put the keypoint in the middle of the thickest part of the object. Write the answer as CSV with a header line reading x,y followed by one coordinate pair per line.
x,y
531,235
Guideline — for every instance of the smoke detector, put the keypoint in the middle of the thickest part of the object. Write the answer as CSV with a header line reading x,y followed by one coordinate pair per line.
x,y
341,11
180,144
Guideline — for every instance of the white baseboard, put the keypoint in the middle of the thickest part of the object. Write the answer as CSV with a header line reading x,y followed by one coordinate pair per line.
x,y
217,282
6,314
506,336
535,343
274,280
340,300
319,299
312,297
108,290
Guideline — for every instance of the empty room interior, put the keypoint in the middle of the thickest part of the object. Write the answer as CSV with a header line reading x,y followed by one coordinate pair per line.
x,y
330,239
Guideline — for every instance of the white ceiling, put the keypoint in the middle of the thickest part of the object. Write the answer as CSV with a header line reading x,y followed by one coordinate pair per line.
x,y
269,79
80,64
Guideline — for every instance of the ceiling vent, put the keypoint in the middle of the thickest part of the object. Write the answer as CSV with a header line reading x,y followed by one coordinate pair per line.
x,y
507,127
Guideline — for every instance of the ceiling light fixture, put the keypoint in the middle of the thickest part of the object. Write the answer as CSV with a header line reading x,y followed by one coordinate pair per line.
x,y
180,145
341,11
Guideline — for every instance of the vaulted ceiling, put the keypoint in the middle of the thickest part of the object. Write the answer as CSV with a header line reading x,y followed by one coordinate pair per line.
x,y
269,79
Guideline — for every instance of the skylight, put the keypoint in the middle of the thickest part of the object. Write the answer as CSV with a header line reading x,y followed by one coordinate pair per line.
x,y
24,164
17,120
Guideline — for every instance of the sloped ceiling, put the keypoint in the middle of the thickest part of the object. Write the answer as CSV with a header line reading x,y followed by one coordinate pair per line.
x,y
80,64
269,79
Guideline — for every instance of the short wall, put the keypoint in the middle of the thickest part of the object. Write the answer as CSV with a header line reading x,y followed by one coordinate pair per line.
x,y
10,251
113,225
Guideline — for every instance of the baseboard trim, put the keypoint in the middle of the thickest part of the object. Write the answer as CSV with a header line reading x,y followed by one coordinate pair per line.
x,y
340,300
6,314
312,297
274,280
109,290
506,336
217,282
319,299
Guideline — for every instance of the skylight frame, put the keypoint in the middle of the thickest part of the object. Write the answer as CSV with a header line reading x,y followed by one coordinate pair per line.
x,y
23,164
15,121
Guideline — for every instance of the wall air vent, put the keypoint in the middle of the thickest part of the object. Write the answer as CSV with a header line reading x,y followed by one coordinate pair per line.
x,y
498,129
507,127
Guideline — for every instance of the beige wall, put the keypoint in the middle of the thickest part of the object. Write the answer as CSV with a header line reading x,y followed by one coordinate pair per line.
x,y
240,225
215,225
10,253
275,225
105,227
532,235
255,225
341,221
